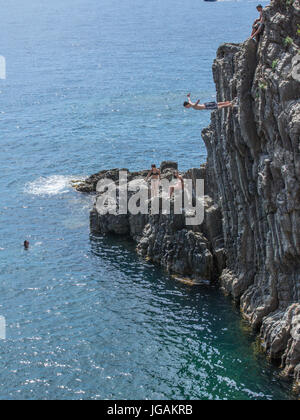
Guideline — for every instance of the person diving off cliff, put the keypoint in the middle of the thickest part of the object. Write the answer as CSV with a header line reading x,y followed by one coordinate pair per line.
x,y
207,105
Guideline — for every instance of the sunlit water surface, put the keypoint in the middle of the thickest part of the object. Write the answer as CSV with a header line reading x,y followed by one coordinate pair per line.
x,y
91,85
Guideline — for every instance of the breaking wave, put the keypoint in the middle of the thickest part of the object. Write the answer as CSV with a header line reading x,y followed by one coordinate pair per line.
x,y
52,185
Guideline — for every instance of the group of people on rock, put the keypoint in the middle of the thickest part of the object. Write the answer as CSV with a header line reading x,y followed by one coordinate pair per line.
x,y
154,174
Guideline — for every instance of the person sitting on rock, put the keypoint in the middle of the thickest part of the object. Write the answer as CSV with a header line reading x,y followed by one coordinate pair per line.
x,y
208,105
258,24
179,185
154,174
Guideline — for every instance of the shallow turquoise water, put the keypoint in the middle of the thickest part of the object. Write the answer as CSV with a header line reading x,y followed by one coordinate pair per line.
x,y
91,85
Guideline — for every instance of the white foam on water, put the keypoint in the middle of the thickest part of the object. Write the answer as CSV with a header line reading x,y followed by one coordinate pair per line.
x,y
52,185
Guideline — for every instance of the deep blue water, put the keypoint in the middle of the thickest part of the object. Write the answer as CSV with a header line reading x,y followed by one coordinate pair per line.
x,y
94,84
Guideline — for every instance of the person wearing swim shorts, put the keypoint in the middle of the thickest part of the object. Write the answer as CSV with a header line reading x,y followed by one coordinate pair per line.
x,y
258,25
211,106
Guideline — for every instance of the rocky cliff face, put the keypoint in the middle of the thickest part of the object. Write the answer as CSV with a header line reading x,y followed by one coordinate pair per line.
x,y
254,172
250,238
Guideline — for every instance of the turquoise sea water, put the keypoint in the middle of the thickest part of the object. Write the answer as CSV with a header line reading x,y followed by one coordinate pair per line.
x,y
95,84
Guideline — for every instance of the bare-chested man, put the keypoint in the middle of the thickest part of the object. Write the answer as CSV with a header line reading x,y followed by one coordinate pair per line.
x,y
206,106
258,25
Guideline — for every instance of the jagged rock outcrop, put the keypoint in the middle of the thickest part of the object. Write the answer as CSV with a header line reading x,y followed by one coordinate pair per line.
x,y
163,237
89,185
254,168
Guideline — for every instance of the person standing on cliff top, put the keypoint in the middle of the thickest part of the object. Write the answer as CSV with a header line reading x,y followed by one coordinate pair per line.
x,y
154,175
208,105
258,24
179,185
